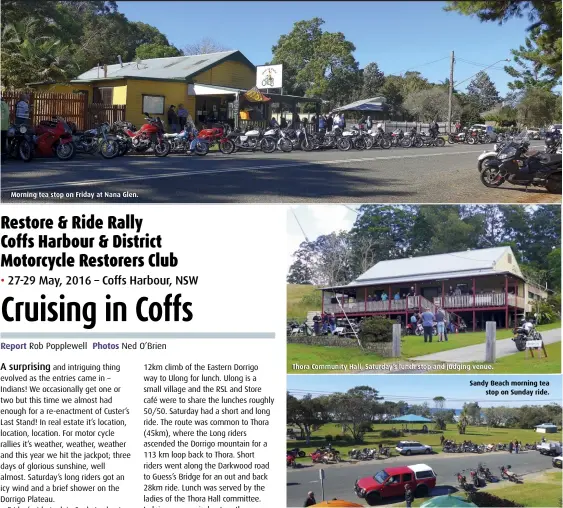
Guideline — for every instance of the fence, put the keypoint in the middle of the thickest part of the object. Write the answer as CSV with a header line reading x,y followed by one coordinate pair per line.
x,y
72,107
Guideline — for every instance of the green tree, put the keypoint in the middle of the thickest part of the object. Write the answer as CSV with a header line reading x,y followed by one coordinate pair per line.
x,y
307,413
421,410
393,93
431,104
554,269
148,50
529,71
317,63
372,81
483,91
544,16
354,409
473,412
463,421
537,107
299,273
204,47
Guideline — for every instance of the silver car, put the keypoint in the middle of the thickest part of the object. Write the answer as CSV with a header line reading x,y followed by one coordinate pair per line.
x,y
412,447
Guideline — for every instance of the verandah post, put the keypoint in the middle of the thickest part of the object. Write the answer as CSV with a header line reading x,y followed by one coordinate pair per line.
x,y
506,298
474,291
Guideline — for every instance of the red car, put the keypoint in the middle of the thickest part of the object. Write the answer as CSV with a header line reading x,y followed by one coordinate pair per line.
x,y
390,482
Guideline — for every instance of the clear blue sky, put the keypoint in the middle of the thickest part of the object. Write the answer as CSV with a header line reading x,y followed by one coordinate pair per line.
x,y
399,36
417,389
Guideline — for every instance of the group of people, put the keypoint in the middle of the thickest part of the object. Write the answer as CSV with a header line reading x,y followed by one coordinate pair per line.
x,y
177,118
382,296
427,318
324,323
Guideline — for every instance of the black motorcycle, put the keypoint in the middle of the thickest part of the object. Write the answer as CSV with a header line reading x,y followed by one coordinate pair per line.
x,y
21,143
552,143
515,167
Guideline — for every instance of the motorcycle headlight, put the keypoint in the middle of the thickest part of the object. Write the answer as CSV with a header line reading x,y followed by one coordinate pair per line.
x,y
23,129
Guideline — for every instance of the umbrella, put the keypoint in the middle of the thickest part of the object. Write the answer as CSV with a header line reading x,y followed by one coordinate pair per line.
x,y
337,503
446,502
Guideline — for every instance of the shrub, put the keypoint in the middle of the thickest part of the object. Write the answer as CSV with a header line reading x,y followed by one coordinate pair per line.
x,y
338,437
486,499
366,427
328,438
391,433
312,300
376,329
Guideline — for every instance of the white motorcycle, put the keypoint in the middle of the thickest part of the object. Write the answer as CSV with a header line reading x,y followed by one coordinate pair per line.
x,y
489,155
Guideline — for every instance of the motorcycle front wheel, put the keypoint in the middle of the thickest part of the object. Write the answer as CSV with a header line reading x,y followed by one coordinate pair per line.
x,y
285,145
418,143
109,149
360,144
162,149
406,142
553,185
25,150
344,144
490,179
226,146
307,145
471,140
385,144
482,164
440,142
268,145
201,148
66,151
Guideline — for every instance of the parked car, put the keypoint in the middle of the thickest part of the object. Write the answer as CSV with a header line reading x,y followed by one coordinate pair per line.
x,y
549,448
555,126
391,481
556,461
486,128
412,447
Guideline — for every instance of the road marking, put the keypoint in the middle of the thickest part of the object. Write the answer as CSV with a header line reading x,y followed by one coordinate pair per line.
x,y
233,169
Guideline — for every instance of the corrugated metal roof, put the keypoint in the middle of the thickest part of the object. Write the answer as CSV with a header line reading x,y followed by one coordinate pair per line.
x,y
439,265
470,263
373,104
177,67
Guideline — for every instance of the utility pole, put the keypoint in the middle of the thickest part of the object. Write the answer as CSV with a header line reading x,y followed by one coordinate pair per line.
x,y
451,93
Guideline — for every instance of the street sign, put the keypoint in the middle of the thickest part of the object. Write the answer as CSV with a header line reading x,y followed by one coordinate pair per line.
x,y
322,477
536,345
269,76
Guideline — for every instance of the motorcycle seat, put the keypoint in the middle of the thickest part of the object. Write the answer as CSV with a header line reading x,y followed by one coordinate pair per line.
x,y
549,159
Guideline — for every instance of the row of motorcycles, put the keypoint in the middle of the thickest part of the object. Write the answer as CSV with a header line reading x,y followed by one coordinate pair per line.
x,y
481,475
369,453
450,446
512,162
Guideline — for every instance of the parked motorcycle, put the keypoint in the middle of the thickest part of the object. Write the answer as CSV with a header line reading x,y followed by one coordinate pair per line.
x,y
150,135
507,474
462,480
514,166
431,140
476,478
21,142
290,461
187,141
250,140
54,137
526,331
296,452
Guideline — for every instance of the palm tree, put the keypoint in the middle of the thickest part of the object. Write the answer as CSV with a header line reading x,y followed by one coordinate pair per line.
x,y
463,421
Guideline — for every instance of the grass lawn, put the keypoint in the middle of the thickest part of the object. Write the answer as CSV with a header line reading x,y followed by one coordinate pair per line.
x,y
479,435
412,346
546,491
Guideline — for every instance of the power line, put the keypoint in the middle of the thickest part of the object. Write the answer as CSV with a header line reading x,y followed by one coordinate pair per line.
x,y
478,64
299,224
418,66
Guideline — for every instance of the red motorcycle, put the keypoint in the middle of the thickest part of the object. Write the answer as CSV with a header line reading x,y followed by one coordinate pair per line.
x,y
291,461
54,137
317,456
218,135
150,135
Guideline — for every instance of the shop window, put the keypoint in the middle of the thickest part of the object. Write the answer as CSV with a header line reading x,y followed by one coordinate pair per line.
x,y
153,104
103,95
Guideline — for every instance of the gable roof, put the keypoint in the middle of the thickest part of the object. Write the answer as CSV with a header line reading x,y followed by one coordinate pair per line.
x,y
173,68
469,263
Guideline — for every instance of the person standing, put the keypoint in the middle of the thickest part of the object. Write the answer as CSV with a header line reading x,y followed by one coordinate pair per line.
x,y
441,324
173,118
428,325
5,125
369,123
322,123
384,296
310,501
329,122
22,110
510,447
332,322
182,116
409,496
316,324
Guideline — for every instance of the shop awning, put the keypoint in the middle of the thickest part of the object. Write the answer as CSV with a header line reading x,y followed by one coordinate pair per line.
x,y
373,104
255,95
195,89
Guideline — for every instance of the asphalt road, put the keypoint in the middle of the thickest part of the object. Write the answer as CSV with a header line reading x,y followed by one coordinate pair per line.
x,y
413,175
476,353
340,479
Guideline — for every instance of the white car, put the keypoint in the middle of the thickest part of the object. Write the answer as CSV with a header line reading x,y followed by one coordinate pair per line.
x,y
412,447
